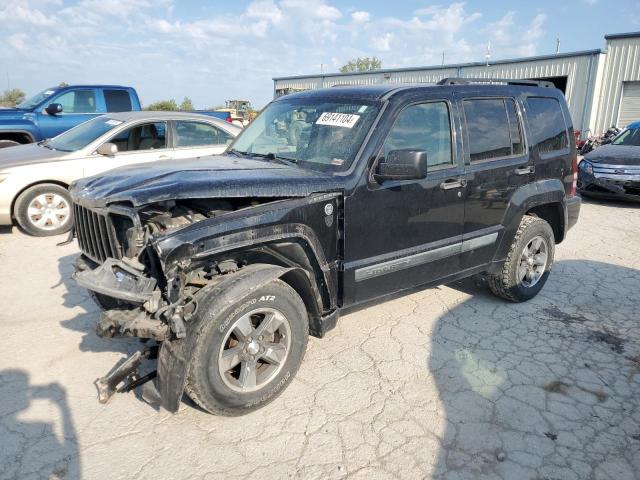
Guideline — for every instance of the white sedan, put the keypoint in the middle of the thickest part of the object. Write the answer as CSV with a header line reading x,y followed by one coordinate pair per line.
x,y
34,177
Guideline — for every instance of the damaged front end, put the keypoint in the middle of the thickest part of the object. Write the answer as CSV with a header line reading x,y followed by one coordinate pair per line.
x,y
147,267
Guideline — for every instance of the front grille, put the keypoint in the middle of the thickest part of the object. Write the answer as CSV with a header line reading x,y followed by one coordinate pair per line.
x,y
96,235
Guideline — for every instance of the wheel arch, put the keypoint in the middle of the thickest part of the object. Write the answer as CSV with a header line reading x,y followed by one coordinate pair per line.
x,y
20,136
544,199
175,354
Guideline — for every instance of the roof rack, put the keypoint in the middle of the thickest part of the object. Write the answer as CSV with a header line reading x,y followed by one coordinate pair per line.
x,y
508,81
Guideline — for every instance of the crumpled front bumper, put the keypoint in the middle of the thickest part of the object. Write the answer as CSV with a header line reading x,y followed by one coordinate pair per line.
x,y
625,187
114,278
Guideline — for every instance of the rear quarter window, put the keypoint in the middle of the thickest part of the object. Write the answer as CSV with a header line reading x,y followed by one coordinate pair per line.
x,y
548,127
493,128
117,100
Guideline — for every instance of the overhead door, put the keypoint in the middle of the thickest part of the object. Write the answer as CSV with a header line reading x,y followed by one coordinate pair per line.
x,y
630,104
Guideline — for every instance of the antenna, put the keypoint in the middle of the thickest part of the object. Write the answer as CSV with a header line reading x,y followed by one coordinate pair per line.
x,y
488,55
557,45
322,68
443,57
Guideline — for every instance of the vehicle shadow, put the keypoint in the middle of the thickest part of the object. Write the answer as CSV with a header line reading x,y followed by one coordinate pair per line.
x,y
31,448
610,202
78,298
543,389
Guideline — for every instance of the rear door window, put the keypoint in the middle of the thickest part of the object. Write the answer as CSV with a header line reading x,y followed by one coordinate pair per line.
x,y
493,128
197,134
117,100
147,136
77,101
548,127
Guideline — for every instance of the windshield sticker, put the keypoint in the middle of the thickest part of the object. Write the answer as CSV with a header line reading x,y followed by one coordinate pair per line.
x,y
362,109
113,122
338,119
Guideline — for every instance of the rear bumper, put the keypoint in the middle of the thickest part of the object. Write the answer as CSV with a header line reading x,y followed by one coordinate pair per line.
x,y
573,210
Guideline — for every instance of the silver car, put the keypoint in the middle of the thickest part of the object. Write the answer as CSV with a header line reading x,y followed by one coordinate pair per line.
x,y
34,178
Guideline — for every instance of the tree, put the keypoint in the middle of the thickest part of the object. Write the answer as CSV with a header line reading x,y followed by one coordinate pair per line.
x,y
163,105
11,98
186,105
362,64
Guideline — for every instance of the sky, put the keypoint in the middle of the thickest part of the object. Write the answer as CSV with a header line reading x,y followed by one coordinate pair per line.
x,y
214,50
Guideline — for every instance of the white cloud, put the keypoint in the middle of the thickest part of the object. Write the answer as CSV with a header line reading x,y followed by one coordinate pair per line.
x,y
153,46
382,43
360,16
13,11
265,10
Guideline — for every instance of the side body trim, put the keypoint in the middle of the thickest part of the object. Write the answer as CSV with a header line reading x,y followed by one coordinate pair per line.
x,y
383,268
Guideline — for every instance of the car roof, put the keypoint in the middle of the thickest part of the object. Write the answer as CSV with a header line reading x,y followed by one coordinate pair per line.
x,y
59,87
163,115
635,124
382,91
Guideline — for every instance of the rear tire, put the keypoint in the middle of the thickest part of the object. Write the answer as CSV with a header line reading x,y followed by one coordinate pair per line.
x,y
44,210
246,356
528,264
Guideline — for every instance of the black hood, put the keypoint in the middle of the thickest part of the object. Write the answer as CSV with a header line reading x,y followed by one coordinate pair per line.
x,y
221,176
615,155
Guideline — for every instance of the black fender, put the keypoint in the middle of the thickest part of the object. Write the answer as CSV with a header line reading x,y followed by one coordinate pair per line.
x,y
531,195
175,355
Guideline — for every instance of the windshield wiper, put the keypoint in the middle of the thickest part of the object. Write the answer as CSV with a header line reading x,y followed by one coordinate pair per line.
x,y
237,153
277,158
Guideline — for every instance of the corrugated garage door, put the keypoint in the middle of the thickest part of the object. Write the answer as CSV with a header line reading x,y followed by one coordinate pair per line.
x,y
630,104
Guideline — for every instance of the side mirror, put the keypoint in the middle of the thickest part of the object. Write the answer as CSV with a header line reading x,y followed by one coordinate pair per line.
x,y
53,109
404,164
107,149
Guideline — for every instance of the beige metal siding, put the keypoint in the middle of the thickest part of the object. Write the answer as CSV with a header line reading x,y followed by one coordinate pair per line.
x,y
580,70
630,104
622,64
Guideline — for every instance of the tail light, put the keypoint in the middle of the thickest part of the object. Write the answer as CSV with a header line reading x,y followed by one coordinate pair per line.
x,y
229,119
574,183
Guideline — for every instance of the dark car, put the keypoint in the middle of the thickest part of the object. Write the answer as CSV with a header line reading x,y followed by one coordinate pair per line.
x,y
613,170
329,200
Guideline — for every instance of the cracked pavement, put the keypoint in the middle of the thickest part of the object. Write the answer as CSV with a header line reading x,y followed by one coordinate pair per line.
x,y
449,382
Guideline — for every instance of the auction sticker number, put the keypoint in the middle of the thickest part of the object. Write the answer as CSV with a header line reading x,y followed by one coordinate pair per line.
x,y
338,119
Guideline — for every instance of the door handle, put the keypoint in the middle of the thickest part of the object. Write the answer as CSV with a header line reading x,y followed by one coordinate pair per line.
x,y
452,183
525,170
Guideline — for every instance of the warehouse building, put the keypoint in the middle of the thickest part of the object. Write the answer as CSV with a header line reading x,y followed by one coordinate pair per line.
x,y
602,86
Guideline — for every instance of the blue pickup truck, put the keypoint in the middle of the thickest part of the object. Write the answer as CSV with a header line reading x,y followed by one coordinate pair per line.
x,y
58,109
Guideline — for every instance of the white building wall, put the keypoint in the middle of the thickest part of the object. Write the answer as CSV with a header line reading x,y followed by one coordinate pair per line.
x,y
622,64
580,71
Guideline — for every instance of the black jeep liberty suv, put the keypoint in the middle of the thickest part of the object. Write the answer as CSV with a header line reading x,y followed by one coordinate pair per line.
x,y
328,200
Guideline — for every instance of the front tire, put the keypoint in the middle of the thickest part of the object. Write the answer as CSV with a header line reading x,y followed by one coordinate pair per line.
x,y
44,210
246,356
528,264
8,143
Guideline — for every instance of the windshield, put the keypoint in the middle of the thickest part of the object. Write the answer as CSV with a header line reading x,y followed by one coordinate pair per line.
x,y
628,137
33,101
82,135
320,134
